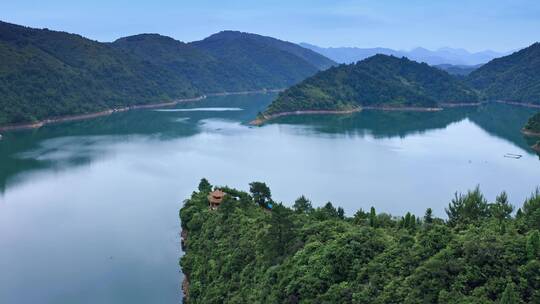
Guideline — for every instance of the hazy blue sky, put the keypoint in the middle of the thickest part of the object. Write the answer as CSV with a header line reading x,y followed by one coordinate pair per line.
x,y
402,24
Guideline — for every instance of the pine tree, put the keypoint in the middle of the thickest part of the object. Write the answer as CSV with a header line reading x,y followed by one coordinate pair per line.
x,y
372,217
509,295
302,205
341,213
428,217
533,245
205,186
407,220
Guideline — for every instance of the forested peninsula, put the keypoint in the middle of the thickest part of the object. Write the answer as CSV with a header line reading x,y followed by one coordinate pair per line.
x,y
532,128
381,81
248,248
533,125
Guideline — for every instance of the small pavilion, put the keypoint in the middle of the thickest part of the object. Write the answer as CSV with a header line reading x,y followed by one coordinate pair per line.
x,y
215,198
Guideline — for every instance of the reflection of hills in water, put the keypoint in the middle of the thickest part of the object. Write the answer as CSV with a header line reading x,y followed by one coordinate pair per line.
x,y
379,124
501,120
79,143
29,150
505,121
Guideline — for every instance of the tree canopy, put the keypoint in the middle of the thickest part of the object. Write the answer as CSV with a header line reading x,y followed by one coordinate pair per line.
x,y
242,253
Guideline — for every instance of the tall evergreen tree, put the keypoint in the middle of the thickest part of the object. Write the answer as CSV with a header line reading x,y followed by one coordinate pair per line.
x,y
428,217
261,193
467,209
372,217
302,205
280,233
533,245
205,186
509,295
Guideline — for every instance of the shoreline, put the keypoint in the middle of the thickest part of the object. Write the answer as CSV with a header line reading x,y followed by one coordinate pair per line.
x,y
441,107
403,109
266,118
524,104
530,133
68,118
461,104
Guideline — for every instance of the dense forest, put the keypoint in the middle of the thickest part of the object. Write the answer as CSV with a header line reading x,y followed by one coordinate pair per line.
x,y
511,78
255,250
380,80
533,128
46,73
533,125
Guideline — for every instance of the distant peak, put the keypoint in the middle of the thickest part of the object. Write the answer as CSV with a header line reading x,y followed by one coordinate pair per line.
x,y
384,57
146,37
228,34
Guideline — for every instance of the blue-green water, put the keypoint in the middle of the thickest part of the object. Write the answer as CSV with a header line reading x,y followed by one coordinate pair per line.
x,y
89,210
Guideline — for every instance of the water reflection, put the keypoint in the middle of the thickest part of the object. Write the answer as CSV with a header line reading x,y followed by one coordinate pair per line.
x,y
77,143
89,209
500,120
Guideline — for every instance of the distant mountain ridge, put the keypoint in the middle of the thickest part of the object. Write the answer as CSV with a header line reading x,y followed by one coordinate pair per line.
x,y
458,70
46,73
378,81
441,56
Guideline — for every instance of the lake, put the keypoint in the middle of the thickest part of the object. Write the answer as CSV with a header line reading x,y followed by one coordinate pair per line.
x,y
89,209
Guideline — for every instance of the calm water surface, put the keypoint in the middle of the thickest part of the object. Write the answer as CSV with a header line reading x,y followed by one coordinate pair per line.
x,y
89,210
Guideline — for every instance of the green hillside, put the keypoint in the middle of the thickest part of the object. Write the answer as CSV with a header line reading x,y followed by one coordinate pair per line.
x,y
244,252
258,61
511,78
533,128
377,81
47,73
533,125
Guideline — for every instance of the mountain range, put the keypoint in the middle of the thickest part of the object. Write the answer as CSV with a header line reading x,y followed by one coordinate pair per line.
x,y
46,73
444,55
388,81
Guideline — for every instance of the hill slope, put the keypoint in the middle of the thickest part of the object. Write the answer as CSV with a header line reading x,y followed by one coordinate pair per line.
x,y
47,73
228,61
243,253
533,128
511,78
377,81
533,125
255,59
204,71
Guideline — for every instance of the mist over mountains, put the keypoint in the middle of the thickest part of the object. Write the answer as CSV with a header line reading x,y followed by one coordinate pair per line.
x,y
446,55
